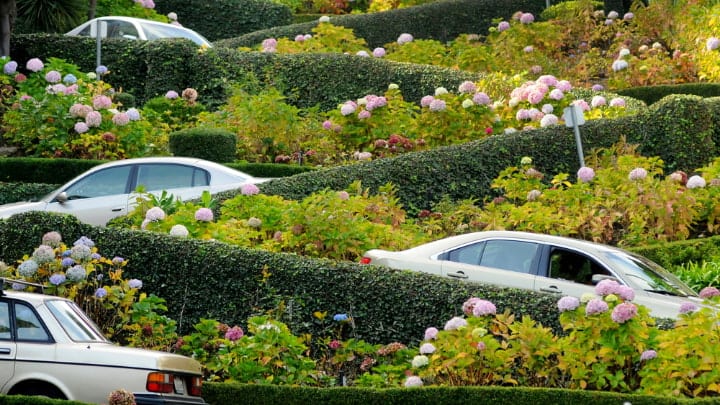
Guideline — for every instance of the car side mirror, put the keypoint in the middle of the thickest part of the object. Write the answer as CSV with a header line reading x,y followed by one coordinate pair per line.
x,y
596,278
62,197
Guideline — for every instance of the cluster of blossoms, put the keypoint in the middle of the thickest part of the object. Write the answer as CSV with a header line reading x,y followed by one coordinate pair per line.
x,y
608,291
269,45
146,3
404,39
54,264
712,43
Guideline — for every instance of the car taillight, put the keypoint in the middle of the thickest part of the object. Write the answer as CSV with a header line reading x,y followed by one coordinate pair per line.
x,y
195,386
160,382
365,260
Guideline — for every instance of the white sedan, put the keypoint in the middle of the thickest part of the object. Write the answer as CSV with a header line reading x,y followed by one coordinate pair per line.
x,y
552,264
108,190
49,347
135,28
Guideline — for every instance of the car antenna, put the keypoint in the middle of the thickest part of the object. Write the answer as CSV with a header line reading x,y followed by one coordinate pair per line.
x,y
4,280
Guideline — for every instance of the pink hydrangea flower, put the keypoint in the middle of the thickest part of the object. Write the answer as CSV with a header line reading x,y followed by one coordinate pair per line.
x,y
93,119
503,25
378,52
204,215
249,189
527,18
467,87
586,174
81,127
596,306
53,76
455,323
172,94
404,39
34,65
120,119
625,293
556,94
431,333
688,307
568,303
598,101
234,333
155,214
101,102
617,102
364,114
343,195
607,287
480,98
348,108
426,100
623,312
437,105
483,308
427,348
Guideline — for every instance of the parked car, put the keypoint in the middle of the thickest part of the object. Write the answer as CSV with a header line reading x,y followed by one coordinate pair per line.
x,y
108,190
545,263
135,28
49,347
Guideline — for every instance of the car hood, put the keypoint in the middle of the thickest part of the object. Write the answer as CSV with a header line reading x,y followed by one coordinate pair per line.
x,y
7,210
118,356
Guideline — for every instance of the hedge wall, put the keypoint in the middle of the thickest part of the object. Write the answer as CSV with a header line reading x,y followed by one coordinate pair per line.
x,y
219,19
441,20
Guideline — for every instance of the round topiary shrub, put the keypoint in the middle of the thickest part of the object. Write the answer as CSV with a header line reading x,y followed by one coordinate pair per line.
x,y
215,144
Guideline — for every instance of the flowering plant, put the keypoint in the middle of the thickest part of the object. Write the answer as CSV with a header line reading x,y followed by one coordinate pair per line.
x,y
80,273
56,111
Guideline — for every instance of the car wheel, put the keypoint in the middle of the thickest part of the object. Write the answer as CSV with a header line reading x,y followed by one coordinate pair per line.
x,y
38,389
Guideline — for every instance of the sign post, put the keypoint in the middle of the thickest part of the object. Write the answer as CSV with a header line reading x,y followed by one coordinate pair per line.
x,y
574,117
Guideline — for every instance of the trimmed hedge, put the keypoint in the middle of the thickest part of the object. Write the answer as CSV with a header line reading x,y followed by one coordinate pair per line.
x,y
263,394
219,19
214,144
652,94
441,20
679,129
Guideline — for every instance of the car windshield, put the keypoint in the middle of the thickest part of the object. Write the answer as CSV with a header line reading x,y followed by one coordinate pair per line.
x,y
76,324
156,31
648,275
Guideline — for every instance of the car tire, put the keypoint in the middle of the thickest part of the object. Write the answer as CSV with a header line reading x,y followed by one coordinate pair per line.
x,y
38,389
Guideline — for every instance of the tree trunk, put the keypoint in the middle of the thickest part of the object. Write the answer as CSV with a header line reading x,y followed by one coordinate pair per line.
x,y
91,9
7,17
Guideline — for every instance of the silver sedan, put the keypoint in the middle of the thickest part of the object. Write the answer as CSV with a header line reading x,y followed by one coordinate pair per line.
x,y
552,264
108,190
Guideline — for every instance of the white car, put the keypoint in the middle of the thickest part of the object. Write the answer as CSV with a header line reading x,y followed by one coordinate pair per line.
x,y
551,264
49,347
135,28
108,190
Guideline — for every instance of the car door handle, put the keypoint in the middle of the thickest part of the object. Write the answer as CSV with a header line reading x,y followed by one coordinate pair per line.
x,y
117,209
551,289
5,350
459,274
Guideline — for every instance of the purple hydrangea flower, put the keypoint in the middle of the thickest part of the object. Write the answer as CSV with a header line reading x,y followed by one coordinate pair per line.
x,y
101,70
503,25
121,119
57,279
101,293
413,381
135,283
10,68
234,333
404,39
172,94
81,127
427,348
598,87
67,261
431,333
155,214
327,124
467,87
118,260
606,287
204,215
556,94
364,114
95,256
93,119
688,307
617,102
648,355
638,173
563,85
85,241
102,102
625,293
709,292
586,174
623,312
426,100
378,52
69,79
596,306
53,76
527,18
340,317
481,98
712,43
568,303
619,64
133,114
348,108
628,16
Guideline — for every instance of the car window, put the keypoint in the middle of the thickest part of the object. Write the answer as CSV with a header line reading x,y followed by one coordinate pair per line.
x,y
517,256
573,266
77,325
121,29
155,31
110,181
4,322
157,177
28,325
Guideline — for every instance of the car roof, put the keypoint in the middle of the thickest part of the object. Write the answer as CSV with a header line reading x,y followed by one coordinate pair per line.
x,y
573,243
33,298
146,22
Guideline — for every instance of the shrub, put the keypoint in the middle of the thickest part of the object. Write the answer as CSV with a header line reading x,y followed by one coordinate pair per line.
x,y
216,145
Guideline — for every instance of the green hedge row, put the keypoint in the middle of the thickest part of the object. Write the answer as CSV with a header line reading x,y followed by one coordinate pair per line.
x,y
220,19
226,393
442,20
683,130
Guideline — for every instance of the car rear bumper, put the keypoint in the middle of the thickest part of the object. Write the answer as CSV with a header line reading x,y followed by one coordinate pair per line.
x,y
157,399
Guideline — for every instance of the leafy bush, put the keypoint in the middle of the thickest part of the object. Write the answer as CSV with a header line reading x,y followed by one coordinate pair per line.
x,y
210,144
